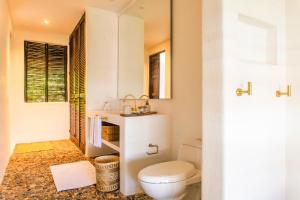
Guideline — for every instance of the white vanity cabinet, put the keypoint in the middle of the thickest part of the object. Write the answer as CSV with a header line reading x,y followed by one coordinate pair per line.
x,y
136,134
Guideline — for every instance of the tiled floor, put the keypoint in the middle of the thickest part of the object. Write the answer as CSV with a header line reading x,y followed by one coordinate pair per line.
x,y
28,176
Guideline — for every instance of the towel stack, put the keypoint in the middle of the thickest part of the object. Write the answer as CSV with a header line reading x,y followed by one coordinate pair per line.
x,y
95,130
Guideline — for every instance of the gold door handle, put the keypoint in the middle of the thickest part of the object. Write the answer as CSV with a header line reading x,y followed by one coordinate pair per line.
x,y
240,91
287,93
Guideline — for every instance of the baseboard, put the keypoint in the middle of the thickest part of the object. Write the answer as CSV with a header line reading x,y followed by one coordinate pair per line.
x,y
2,171
4,166
1,177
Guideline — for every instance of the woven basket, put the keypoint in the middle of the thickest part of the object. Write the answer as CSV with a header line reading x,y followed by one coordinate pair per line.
x,y
107,173
110,132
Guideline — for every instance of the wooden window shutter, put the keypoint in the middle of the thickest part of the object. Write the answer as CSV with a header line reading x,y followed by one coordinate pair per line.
x,y
35,72
45,72
57,73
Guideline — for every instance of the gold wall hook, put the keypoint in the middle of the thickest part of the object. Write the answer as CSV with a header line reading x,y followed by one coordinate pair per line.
x,y
287,93
240,91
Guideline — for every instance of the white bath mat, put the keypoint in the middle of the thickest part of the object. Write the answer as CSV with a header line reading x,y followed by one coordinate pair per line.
x,y
73,175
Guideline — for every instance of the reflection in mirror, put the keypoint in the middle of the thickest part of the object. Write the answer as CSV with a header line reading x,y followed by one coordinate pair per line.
x,y
145,49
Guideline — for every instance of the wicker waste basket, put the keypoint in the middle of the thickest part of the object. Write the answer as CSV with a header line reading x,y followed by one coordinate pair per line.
x,y
107,173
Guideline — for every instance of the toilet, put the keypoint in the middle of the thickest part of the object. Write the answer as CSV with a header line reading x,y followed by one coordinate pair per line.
x,y
170,180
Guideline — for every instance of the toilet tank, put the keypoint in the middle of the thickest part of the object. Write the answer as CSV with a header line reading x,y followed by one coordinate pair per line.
x,y
190,151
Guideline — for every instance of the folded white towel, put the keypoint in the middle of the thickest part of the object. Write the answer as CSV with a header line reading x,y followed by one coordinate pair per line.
x,y
97,131
91,129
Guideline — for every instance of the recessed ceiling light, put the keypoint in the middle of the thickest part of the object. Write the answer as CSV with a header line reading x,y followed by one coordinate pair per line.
x,y
46,22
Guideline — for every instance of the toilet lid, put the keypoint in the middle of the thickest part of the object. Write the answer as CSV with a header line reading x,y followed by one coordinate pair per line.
x,y
167,172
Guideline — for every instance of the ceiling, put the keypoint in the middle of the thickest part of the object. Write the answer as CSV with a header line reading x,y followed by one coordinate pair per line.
x,y
62,15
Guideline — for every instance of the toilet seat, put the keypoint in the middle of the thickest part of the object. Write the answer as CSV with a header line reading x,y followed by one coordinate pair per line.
x,y
167,172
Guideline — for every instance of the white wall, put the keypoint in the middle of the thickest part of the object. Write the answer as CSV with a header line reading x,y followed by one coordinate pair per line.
x,y
102,56
293,103
5,24
254,126
32,122
102,64
248,132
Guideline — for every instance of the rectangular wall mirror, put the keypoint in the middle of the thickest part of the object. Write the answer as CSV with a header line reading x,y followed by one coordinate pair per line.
x,y
145,47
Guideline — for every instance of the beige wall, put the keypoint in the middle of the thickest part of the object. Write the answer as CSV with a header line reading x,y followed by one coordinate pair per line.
x,y
4,98
185,108
31,122
213,101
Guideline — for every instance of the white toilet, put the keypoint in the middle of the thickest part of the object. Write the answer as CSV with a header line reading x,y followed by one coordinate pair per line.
x,y
169,180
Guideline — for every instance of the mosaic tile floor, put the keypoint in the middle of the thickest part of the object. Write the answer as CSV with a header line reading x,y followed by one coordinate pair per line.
x,y
28,176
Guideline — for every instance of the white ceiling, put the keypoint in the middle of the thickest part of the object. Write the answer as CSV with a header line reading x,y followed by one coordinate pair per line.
x,y
63,15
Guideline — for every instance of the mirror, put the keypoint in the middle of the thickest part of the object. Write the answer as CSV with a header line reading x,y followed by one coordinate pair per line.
x,y
145,49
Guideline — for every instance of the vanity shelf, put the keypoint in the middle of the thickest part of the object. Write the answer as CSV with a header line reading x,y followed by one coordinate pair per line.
x,y
115,145
137,114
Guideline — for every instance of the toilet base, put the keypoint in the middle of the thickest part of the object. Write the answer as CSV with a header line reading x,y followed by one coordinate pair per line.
x,y
168,191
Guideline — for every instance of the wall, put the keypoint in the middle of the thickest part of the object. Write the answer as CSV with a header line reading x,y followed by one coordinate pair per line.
x,y
185,108
186,71
254,126
5,24
102,53
244,137
32,122
102,63
213,100
293,103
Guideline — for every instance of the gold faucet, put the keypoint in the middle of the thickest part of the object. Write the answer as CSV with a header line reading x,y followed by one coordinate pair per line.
x,y
144,95
132,98
129,95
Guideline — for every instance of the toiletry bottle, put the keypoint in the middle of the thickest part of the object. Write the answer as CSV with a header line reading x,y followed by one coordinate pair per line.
x,y
148,107
127,109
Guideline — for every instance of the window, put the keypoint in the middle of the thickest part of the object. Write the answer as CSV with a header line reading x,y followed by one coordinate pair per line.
x,y
45,72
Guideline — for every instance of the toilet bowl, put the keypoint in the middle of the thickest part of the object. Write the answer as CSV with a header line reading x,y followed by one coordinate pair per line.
x,y
169,180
